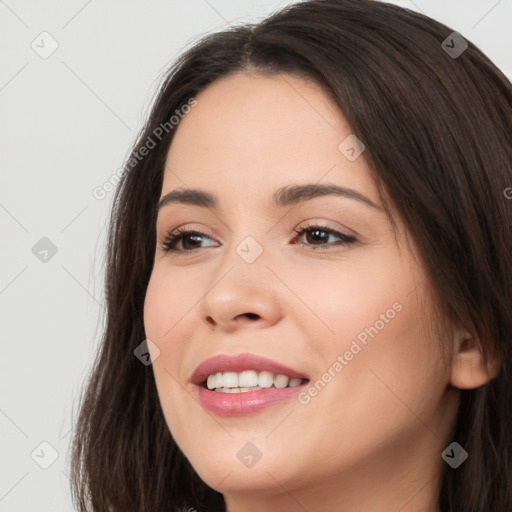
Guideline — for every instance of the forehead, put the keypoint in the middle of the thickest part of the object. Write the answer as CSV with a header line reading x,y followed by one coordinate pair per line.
x,y
257,132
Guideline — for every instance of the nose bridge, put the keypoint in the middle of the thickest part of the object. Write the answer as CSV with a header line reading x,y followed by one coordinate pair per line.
x,y
241,284
248,245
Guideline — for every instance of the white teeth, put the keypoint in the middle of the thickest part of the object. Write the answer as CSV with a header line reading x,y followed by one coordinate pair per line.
x,y
281,381
230,380
249,380
265,379
211,382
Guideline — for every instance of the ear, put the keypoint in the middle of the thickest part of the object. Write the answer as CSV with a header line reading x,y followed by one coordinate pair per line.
x,y
469,369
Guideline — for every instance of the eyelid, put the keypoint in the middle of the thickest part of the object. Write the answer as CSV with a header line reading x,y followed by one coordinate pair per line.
x,y
189,226
326,223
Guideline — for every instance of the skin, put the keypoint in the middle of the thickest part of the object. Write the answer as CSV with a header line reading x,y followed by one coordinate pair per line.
x,y
372,438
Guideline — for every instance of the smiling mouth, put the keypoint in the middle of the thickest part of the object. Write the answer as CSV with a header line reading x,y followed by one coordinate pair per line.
x,y
249,380
243,384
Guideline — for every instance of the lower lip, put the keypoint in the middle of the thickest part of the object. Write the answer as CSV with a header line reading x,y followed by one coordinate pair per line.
x,y
241,404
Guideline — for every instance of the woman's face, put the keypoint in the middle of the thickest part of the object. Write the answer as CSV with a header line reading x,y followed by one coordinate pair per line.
x,y
343,304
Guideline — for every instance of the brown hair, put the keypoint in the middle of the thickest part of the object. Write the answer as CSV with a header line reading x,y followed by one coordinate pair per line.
x,y
437,134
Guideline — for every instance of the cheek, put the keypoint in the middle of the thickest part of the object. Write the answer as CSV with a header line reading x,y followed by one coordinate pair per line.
x,y
344,299
391,365
167,302
373,316
165,318
385,391
156,303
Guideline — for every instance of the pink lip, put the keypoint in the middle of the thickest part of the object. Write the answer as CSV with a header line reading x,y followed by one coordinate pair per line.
x,y
239,404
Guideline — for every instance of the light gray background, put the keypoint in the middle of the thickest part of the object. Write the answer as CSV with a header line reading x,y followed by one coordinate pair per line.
x,y
66,124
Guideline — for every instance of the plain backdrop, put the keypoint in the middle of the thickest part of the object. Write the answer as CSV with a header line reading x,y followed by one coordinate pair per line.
x,y
67,120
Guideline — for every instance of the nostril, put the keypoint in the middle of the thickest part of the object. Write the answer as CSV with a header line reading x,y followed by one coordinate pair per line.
x,y
252,316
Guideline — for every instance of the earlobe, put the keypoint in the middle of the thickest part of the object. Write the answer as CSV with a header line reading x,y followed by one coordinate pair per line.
x,y
469,369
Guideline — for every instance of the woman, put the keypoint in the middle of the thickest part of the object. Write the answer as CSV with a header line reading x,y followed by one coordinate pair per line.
x,y
311,243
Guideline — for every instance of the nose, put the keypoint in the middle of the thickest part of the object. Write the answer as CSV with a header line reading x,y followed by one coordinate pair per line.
x,y
241,295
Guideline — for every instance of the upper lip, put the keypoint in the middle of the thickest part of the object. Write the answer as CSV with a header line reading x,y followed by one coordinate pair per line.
x,y
238,363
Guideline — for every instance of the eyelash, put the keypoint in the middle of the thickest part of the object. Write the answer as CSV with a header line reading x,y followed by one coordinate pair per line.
x,y
170,241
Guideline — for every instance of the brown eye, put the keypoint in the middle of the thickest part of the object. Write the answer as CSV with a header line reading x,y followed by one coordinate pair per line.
x,y
319,236
190,241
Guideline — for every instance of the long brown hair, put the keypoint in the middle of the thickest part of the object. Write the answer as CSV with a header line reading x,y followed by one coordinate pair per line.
x,y
437,130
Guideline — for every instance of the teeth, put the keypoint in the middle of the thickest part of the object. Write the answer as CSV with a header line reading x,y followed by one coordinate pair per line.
x,y
211,382
230,380
265,379
249,380
281,381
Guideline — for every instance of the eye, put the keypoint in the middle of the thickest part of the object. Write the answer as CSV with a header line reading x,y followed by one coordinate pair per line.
x,y
319,234
186,237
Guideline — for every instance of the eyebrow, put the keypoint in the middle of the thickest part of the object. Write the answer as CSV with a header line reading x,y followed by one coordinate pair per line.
x,y
285,196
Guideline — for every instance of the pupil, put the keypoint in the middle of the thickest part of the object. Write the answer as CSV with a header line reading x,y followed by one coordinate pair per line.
x,y
320,238
197,237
